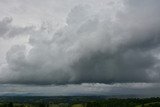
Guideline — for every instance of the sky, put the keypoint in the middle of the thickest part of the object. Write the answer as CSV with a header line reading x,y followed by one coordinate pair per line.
x,y
80,47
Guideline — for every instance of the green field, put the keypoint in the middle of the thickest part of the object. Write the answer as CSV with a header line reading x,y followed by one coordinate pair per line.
x,y
152,104
78,102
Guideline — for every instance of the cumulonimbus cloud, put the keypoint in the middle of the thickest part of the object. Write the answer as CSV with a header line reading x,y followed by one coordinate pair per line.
x,y
119,44
7,30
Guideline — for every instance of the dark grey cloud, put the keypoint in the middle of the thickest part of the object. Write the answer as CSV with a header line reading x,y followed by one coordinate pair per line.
x,y
114,44
7,30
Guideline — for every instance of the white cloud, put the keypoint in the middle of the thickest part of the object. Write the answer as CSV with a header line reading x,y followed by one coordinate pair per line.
x,y
140,89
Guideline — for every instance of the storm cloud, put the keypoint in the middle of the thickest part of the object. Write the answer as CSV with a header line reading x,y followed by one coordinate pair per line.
x,y
115,43
7,30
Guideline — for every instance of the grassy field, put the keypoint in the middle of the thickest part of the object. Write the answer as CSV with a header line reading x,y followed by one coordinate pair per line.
x,y
78,102
79,105
153,104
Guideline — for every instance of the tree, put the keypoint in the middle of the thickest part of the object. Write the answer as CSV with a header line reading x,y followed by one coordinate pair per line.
x,y
10,104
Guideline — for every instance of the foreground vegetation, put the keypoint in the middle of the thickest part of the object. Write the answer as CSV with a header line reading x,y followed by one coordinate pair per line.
x,y
78,102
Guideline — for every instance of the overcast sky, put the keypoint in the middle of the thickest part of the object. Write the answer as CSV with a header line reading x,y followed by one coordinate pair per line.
x,y
80,47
